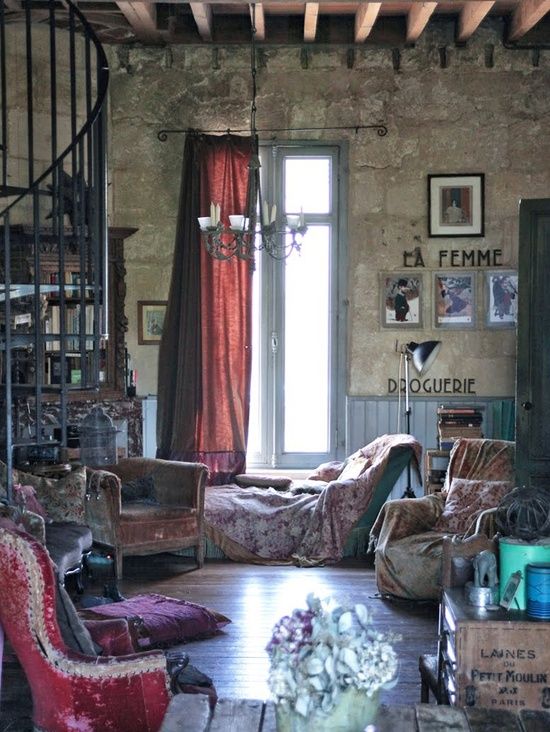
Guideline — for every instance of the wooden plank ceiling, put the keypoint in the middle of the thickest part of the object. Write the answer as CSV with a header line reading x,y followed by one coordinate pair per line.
x,y
284,22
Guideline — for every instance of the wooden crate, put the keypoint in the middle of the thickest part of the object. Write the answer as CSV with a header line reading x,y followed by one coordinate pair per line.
x,y
493,658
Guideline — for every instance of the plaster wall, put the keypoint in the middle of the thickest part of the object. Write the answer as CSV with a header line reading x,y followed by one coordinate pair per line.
x,y
16,105
468,117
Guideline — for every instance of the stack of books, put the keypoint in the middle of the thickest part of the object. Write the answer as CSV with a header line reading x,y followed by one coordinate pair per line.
x,y
453,422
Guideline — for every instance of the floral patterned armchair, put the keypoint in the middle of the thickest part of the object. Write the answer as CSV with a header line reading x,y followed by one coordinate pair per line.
x,y
408,534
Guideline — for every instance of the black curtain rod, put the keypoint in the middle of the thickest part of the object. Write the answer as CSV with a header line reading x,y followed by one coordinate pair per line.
x,y
163,134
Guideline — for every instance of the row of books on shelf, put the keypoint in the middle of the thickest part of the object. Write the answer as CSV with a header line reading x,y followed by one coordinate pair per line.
x,y
52,326
73,368
71,278
453,422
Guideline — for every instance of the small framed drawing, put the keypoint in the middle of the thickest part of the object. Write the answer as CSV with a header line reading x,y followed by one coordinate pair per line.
x,y
501,296
454,299
400,300
150,321
456,205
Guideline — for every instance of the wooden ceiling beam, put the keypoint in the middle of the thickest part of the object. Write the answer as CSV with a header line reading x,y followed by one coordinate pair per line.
x,y
365,18
202,13
526,15
417,19
142,17
259,20
310,21
471,16
13,4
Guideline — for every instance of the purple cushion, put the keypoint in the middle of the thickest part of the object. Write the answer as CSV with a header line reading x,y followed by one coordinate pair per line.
x,y
156,620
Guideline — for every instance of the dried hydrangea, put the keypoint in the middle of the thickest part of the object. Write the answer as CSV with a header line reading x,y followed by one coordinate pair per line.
x,y
318,653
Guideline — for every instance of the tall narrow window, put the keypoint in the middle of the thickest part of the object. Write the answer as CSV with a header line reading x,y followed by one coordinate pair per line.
x,y
298,382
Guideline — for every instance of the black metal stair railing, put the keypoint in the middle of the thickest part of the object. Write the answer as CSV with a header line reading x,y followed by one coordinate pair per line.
x,y
53,219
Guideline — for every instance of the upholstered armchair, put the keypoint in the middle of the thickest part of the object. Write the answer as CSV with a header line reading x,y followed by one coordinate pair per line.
x,y
71,689
54,512
408,533
147,506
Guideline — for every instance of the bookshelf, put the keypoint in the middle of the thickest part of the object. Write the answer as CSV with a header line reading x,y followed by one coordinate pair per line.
x,y
62,354
69,343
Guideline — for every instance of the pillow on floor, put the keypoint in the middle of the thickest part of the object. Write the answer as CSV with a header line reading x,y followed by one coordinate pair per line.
x,y
466,499
156,621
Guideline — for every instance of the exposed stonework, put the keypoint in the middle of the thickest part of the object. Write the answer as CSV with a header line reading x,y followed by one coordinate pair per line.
x,y
467,117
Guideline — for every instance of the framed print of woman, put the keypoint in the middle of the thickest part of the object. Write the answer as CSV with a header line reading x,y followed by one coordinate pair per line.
x,y
400,300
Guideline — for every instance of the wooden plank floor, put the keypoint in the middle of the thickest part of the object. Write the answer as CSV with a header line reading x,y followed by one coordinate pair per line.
x,y
255,597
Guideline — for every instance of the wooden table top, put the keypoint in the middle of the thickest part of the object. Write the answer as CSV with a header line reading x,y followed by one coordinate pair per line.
x,y
192,712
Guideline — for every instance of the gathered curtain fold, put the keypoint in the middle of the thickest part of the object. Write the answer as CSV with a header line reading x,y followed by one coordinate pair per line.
x,y
205,351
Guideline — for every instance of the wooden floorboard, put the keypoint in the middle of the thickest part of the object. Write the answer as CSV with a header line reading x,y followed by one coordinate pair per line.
x,y
254,598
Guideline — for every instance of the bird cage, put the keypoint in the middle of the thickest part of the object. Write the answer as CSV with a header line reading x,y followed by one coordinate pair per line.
x,y
98,439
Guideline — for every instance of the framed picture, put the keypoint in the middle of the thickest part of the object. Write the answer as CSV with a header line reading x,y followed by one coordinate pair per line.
x,y
150,321
454,299
401,300
501,296
456,205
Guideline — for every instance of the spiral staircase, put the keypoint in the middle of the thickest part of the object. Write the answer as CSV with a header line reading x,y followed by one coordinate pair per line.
x,y
53,86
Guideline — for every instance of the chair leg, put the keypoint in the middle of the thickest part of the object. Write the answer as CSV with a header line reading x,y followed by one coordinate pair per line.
x,y
427,665
118,565
199,553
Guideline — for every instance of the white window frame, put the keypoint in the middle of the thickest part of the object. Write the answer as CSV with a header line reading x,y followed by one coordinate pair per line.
x,y
271,275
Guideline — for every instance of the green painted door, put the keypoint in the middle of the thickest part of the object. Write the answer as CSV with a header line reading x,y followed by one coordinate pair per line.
x,y
533,345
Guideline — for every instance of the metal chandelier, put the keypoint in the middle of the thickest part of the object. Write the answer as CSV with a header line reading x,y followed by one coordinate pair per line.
x,y
245,234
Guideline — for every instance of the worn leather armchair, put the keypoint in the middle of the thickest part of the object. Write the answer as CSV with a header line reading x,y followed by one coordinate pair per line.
x,y
147,506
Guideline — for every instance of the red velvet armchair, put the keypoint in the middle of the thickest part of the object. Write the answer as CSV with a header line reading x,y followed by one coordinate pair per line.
x,y
71,691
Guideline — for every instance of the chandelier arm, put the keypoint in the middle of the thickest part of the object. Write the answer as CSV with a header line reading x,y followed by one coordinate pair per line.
x,y
240,239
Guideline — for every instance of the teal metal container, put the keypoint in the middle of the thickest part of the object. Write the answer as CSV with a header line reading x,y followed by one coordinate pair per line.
x,y
538,591
514,556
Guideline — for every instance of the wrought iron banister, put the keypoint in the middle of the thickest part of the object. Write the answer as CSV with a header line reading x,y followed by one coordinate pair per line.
x,y
53,150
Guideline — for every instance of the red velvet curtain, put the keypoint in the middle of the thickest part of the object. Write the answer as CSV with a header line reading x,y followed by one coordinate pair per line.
x,y
205,352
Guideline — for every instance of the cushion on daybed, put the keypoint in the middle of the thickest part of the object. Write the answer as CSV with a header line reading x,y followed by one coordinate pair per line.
x,y
279,482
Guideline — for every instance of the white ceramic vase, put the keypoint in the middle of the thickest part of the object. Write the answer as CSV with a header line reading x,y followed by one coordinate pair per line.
x,y
352,713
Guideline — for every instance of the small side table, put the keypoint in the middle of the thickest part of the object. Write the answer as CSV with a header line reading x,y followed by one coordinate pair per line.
x,y
435,468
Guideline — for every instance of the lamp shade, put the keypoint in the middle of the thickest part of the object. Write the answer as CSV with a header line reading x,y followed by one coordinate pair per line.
x,y
423,354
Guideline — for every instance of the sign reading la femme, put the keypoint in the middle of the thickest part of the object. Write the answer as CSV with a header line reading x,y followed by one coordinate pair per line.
x,y
445,385
457,258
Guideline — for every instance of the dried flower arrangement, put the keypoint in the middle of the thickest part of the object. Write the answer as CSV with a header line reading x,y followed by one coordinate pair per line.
x,y
319,653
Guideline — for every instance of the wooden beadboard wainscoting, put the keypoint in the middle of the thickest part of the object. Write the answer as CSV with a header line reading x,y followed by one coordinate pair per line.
x,y
369,417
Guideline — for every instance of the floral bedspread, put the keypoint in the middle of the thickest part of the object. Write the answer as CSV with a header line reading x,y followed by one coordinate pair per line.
x,y
282,526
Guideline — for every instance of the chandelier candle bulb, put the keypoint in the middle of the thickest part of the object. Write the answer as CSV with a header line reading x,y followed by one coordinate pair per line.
x,y
302,219
212,213
273,214
237,222
265,214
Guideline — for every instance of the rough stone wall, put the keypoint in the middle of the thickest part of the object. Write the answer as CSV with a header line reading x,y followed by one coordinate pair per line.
x,y
468,117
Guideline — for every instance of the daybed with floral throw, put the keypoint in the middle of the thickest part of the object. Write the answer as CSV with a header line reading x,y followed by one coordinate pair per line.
x,y
309,521
408,534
